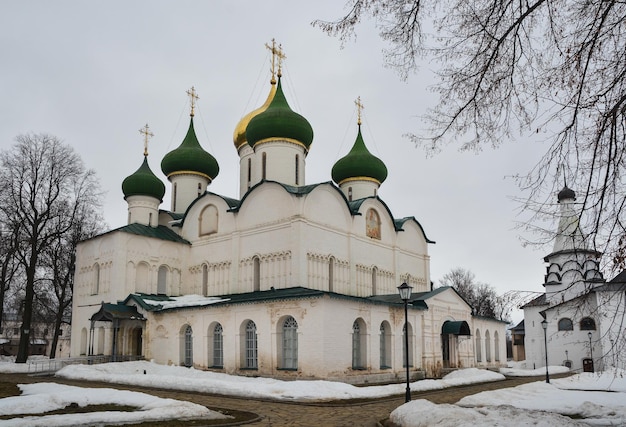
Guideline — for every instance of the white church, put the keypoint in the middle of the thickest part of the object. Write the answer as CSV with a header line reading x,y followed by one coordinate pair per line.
x,y
290,280
580,320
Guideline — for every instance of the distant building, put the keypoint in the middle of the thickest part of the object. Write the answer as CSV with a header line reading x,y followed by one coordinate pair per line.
x,y
291,280
40,337
585,314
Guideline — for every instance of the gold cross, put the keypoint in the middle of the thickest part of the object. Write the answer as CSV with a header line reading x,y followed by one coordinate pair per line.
x,y
277,52
359,107
145,131
193,96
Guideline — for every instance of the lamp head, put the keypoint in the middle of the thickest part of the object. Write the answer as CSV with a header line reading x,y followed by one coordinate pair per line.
x,y
405,291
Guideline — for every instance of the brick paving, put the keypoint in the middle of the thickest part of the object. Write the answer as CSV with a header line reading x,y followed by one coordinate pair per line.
x,y
368,413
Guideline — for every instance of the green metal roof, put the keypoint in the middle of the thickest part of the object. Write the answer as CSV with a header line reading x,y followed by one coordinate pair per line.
x,y
161,232
359,162
279,121
190,157
143,183
109,312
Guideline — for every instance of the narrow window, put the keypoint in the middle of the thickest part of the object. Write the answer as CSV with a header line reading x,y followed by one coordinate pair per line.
x,y
331,273
374,274
385,346
487,347
264,166
162,280
188,343
249,172
297,169
349,194
199,188
251,346
290,343
174,197
496,346
218,347
356,345
96,287
150,219
256,274
478,349
205,280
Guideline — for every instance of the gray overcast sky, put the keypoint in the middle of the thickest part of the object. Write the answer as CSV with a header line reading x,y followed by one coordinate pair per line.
x,y
93,73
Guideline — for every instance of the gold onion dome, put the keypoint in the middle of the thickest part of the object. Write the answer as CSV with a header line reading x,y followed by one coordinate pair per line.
x,y
239,136
143,183
279,121
359,163
190,157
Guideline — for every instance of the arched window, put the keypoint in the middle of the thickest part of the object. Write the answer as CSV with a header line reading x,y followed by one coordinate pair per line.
x,y
372,224
256,274
100,346
208,220
290,344
249,172
479,353
374,274
297,169
349,194
587,324
96,279
264,166
218,347
162,280
187,346
487,347
496,346
250,347
358,338
331,273
565,324
205,280
174,191
385,345
142,278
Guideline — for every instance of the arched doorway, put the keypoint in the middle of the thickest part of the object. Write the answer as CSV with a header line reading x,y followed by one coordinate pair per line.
x,y
450,331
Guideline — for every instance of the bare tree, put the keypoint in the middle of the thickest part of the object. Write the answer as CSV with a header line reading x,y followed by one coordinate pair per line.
x,y
481,296
9,266
506,67
43,190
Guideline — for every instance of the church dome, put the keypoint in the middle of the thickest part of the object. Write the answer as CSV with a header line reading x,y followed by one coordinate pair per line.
x,y
143,183
190,157
566,193
239,136
279,121
359,163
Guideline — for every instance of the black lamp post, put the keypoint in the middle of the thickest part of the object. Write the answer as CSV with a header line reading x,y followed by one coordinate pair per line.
x,y
405,295
544,325
589,334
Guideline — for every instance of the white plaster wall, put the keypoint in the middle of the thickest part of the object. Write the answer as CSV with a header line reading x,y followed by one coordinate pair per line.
x,y
360,189
143,210
280,162
186,190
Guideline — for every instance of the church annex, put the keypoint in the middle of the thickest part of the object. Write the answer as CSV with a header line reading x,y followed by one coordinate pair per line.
x,y
290,280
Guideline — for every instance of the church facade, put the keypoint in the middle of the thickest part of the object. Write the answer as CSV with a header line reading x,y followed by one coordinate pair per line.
x,y
580,319
290,280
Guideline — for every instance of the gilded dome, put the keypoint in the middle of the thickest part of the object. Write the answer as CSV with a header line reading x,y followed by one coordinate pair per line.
x,y
359,163
239,136
279,121
190,157
143,183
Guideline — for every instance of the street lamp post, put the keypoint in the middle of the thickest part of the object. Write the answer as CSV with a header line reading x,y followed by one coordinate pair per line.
x,y
589,334
544,325
405,295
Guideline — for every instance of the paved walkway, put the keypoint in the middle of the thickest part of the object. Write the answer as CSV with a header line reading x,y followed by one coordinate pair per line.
x,y
369,413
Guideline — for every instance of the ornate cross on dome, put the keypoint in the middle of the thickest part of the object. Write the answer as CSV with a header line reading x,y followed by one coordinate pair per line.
x,y
145,131
277,52
359,107
193,96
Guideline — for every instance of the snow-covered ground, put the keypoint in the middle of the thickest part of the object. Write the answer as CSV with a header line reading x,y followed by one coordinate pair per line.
x,y
593,399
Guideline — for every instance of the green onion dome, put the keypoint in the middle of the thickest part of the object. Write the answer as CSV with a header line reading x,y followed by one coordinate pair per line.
x,y
359,164
279,121
566,193
239,136
143,183
189,157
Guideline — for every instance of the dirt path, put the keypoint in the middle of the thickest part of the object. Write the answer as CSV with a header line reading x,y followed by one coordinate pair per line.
x,y
272,413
